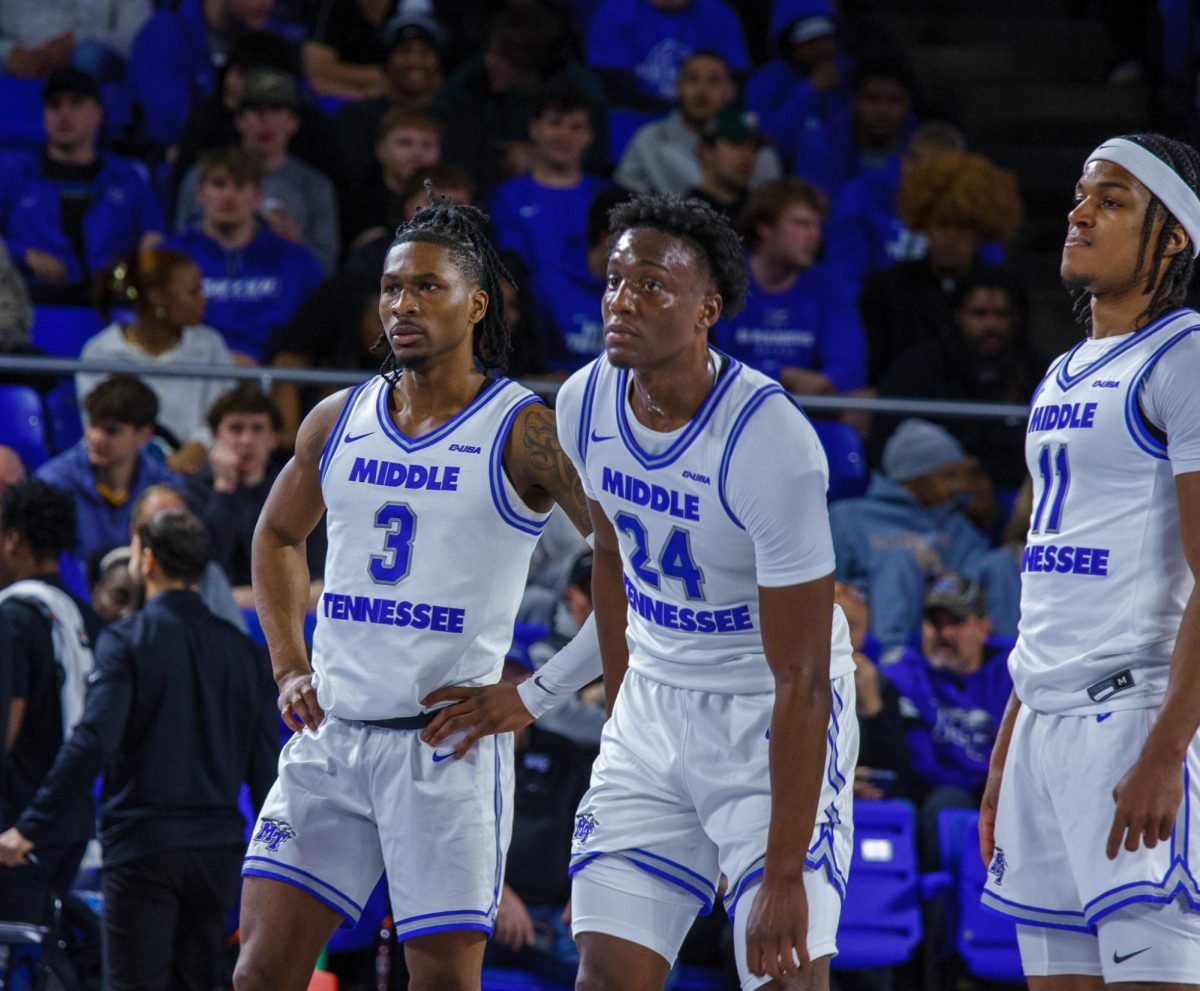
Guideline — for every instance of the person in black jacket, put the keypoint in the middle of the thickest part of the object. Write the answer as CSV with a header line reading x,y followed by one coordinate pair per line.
x,y
179,713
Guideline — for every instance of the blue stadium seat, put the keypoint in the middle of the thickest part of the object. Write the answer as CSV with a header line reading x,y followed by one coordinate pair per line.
x,y
63,330
66,424
881,916
986,940
848,473
23,424
254,628
21,122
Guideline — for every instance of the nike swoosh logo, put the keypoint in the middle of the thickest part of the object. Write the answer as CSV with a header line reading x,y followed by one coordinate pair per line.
x,y
350,440
597,438
1117,958
438,758
537,680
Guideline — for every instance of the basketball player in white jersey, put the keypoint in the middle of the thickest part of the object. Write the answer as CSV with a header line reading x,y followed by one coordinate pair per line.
x,y
436,481
1090,822
732,739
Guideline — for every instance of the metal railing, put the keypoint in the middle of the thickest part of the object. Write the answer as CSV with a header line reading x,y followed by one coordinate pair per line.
x,y
266,375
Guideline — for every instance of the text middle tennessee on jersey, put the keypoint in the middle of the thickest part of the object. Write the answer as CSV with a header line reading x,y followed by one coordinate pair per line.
x,y
1103,575
698,526
429,548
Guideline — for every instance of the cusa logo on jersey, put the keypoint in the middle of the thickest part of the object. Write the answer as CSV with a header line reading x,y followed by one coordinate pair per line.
x,y
273,833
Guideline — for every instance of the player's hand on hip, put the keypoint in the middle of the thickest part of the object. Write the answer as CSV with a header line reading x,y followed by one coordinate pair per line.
x,y
777,929
1148,800
987,817
478,712
14,848
298,702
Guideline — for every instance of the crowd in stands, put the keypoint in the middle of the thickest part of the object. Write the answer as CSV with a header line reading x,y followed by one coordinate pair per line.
x,y
217,183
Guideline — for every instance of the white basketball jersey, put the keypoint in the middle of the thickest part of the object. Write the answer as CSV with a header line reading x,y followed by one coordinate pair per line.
x,y
429,547
1103,575
689,565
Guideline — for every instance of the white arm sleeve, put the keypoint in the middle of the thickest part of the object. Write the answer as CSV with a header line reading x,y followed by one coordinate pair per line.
x,y
1171,402
576,665
776,487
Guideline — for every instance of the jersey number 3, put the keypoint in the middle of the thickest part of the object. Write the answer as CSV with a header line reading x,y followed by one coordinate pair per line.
x,y
391,567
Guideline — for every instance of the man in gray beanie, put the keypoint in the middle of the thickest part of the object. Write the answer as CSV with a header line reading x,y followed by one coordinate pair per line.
x,y
909,525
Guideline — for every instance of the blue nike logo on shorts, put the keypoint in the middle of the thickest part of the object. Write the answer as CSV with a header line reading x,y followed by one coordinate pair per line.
x,y
438,758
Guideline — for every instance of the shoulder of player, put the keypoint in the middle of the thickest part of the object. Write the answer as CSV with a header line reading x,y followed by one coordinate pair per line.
x,y
317,426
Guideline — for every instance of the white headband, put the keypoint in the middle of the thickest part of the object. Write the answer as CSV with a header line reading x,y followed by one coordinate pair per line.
x,y
1158,177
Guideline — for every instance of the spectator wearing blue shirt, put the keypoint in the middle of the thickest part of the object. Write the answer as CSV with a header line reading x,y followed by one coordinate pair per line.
x,y
637,46
110,467
663,156
804,84
254,280
953,692
864,138
864,232
71,212
567,296
542,216
909,526
800,324
960,201
176,55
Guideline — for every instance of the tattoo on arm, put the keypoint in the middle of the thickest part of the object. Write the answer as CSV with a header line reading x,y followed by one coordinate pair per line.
x,y
550,468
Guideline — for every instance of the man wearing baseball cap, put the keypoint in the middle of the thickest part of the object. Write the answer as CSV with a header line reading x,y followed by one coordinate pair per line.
x,y
909,526
728,153
70,211
953,690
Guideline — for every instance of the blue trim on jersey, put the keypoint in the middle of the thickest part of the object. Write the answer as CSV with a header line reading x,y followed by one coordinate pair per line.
x,y
1067,381
1031,915
735,432
827,861
496,475
498,811
411,444
694,427
1134,418
1054,366
585,411
339,427
835,710
278,871
706,894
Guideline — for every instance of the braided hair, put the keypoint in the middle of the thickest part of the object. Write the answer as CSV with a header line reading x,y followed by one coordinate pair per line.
x,y
702,227
459,228
1172,285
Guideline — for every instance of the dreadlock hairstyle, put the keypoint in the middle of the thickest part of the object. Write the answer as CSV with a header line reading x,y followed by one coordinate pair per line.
x,y
697,223
459,229
1172,286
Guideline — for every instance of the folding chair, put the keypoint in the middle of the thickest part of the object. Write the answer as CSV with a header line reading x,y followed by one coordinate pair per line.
x,y
23,424
881,914
62,331
848,474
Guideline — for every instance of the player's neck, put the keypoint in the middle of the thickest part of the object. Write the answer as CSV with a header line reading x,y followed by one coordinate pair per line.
x,y
665,398
426,397
1119,312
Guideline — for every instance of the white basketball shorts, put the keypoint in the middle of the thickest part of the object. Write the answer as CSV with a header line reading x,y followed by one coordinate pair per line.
x,y
354,800
681,791
1055,812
